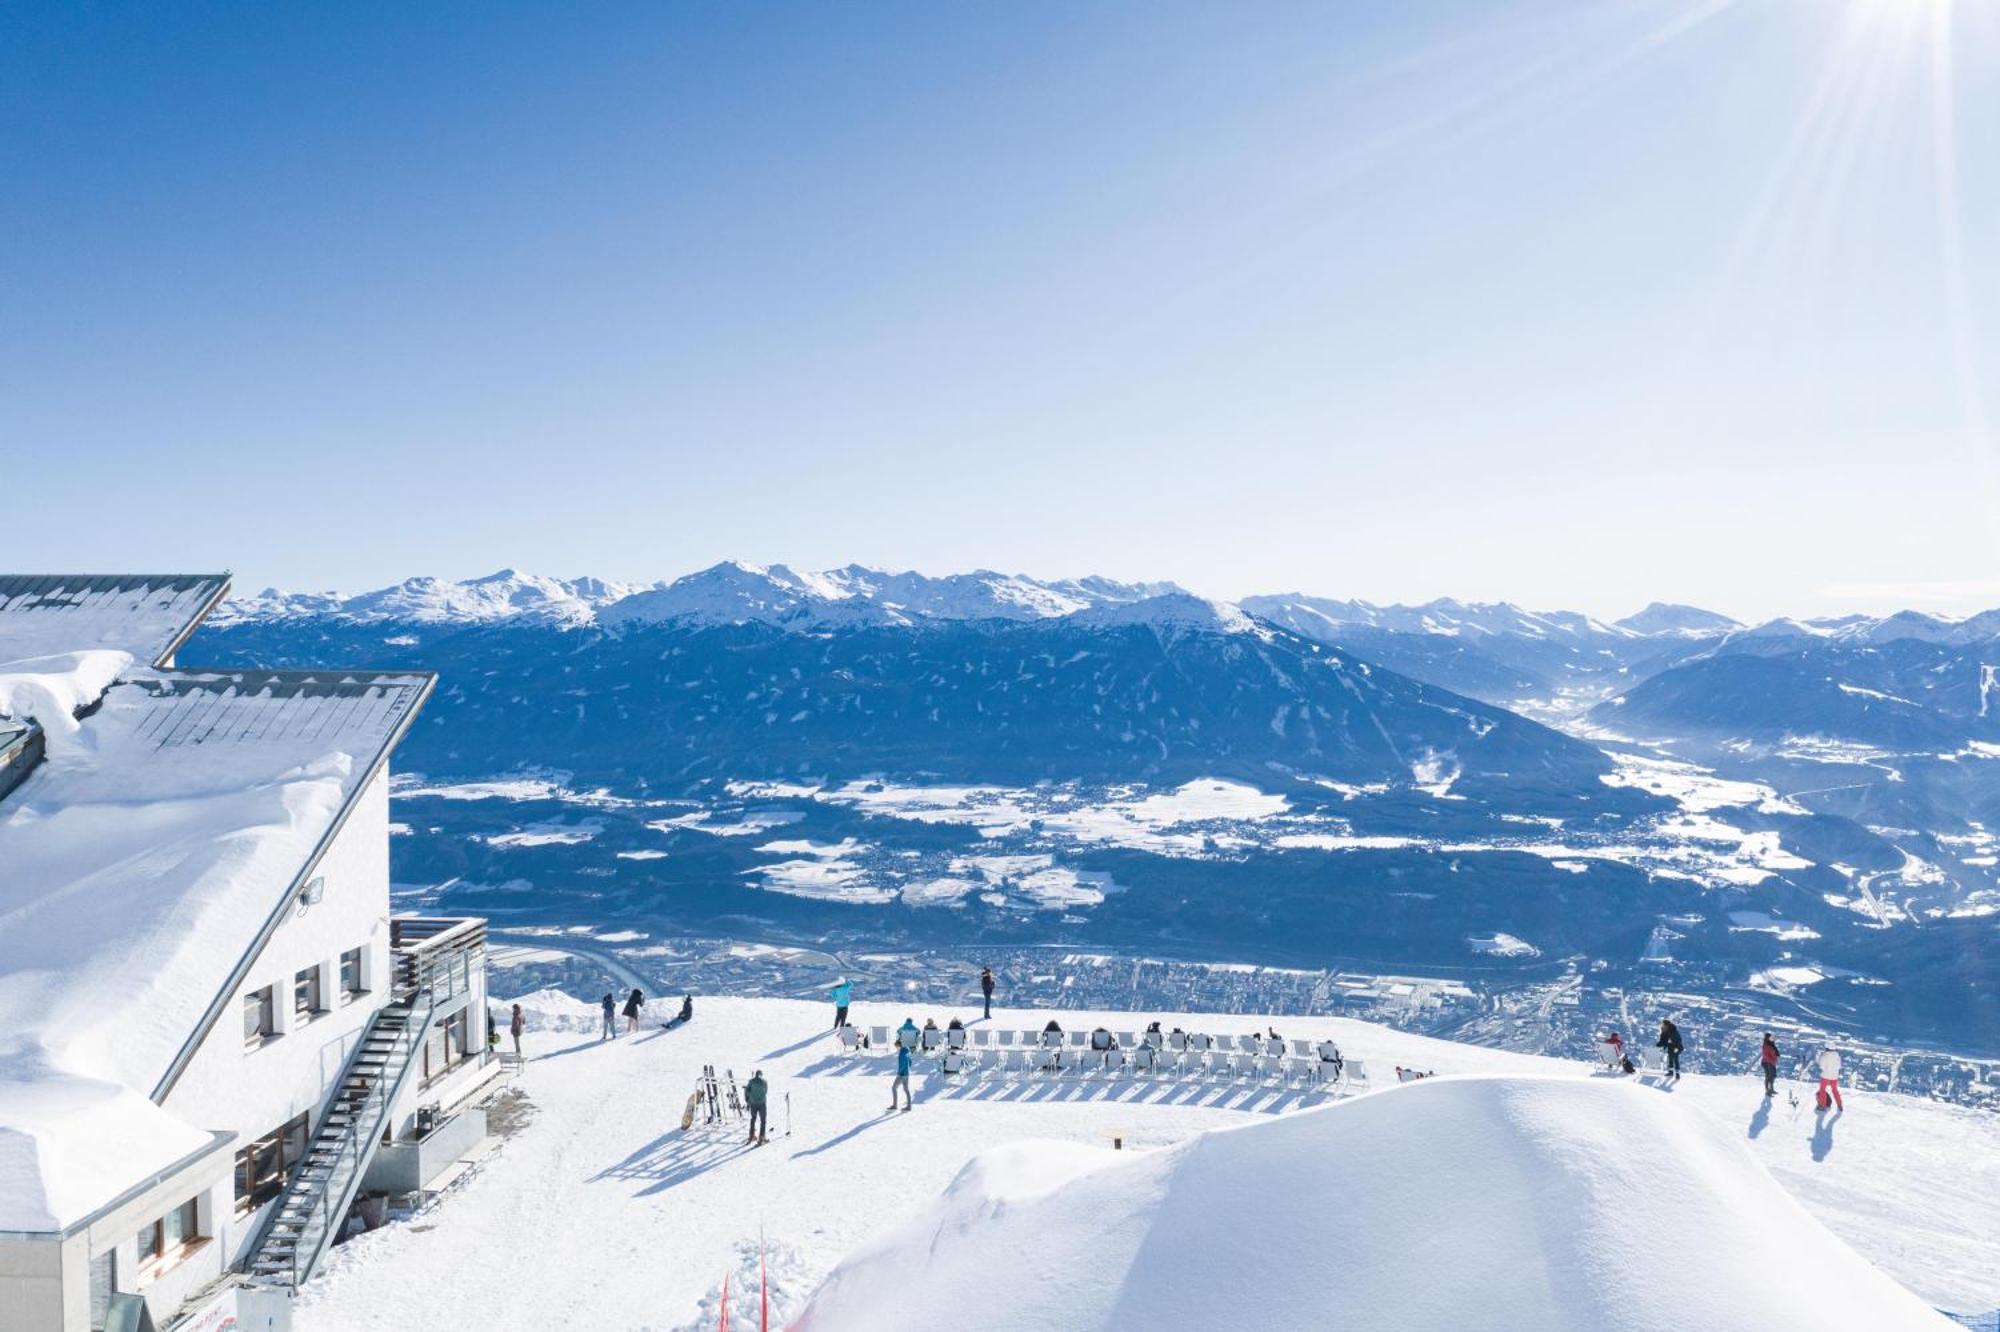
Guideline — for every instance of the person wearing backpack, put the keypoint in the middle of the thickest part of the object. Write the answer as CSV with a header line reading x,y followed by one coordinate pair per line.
x,y
1767,1059
756,1095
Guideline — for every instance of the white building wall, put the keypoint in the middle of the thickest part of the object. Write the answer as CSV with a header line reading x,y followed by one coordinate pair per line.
x,y
253,1090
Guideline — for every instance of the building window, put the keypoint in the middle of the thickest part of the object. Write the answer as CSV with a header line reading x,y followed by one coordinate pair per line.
x,y
306,993
263,1167
260,1016
446,1047
350,974
164,1242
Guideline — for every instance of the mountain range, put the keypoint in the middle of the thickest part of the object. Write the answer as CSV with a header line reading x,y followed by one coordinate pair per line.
x,y
1289,778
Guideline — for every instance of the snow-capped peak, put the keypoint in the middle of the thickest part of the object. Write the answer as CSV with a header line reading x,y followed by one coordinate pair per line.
x,y
1666,617
733,592
506,594
1174,611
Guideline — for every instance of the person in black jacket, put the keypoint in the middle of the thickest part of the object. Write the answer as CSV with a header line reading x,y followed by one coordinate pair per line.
x,y
986,988
633,1003
1670,1041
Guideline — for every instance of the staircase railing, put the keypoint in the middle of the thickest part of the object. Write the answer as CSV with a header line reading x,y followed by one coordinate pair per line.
x,y
433,963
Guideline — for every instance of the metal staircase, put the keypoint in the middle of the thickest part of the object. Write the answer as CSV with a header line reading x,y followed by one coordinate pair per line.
x,y
433,966
306,1220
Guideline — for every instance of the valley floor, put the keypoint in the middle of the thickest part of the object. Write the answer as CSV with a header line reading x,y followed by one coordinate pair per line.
x,y
598,1211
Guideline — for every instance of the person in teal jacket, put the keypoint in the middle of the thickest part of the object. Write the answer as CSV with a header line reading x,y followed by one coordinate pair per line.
x,y
840,994
902,1074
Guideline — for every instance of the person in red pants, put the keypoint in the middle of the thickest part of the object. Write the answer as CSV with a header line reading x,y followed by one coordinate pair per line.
x,y
1829,1078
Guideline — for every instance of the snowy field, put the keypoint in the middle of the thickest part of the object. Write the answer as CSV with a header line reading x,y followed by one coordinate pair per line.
x,y
600,1212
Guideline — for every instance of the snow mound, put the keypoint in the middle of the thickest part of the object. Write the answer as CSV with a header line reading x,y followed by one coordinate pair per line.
x,y
551,1010
1450,1202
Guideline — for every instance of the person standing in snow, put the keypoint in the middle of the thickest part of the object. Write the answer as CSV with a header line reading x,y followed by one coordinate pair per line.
x,y
842,991
756,1093
609,1003
1767,1059
633,1003
1829,1079
986,988
902,1072
515,1026
1670,1041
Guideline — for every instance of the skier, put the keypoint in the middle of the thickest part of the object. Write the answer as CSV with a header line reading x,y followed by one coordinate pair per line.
x,y
1829,1079
755,1093
842,991
902,1072
1670,1041
516,1025
907,1035
609,1003
986,988
1767,1058
633,1003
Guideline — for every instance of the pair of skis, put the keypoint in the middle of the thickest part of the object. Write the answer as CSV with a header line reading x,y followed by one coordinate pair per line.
x,y
715,1094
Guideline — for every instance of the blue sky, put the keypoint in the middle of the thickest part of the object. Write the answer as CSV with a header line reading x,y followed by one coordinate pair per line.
x,y
1575,305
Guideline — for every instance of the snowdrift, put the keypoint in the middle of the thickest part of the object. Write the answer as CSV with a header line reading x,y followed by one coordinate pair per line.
x,y
1483,1202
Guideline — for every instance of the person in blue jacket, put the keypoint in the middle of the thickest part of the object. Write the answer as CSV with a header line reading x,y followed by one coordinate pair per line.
x,y
842,991
902,1075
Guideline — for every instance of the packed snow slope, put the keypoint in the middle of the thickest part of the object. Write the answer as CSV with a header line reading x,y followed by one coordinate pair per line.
x,y
1482,1201
598,1211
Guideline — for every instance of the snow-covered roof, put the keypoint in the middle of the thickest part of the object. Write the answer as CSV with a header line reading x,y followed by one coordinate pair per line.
x,y
147,615
148,855
68,1145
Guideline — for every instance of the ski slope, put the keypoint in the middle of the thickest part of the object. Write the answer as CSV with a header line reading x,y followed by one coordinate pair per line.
x,y
601,1212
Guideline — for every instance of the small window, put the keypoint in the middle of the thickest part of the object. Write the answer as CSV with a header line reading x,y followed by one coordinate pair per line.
x,y
306,993
263,1167
350,973
162,1243
259,1016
